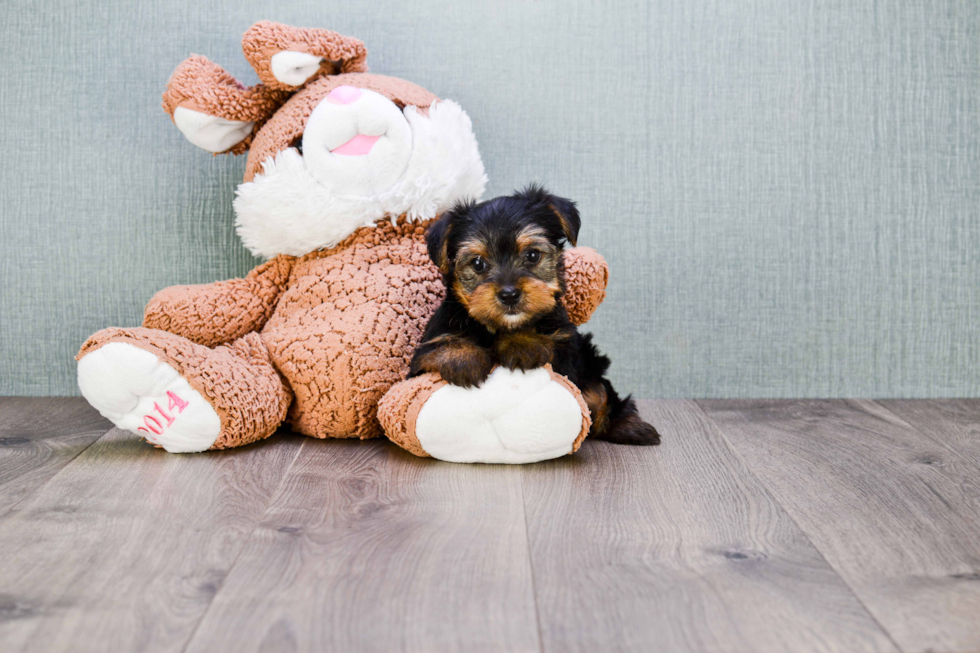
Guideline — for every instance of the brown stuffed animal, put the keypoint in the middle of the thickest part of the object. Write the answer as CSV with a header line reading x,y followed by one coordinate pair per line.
x,y
345,171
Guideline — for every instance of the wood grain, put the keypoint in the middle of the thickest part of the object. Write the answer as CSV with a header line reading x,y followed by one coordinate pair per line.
x,y
38,437
704,543
954,423
368,548
126,547
678,548
896,513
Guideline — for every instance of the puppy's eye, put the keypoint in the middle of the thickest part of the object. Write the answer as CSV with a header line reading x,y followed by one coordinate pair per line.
x,y
532,256
479,265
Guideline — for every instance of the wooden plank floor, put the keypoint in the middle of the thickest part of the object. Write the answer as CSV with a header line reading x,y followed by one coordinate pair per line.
x,y
756,526
892,510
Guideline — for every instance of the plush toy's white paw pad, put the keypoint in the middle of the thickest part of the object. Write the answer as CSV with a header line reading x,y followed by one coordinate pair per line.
x,y
514,417
138,392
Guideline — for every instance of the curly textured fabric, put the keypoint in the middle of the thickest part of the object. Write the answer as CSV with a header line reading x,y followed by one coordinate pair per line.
x,y
586,277
265,38
345,329
238,379
399,409
339,326
216,313
586,415
289,123
204,86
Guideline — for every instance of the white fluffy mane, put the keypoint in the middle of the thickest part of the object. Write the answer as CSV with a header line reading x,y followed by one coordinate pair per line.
x,y
286,211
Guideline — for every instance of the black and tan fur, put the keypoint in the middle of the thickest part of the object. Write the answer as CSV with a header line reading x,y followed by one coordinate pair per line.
x,y
502,266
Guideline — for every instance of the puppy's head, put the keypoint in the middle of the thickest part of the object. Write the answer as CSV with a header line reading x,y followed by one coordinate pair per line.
x,y
502,258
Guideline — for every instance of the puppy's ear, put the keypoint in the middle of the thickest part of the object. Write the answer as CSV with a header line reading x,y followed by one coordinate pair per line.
x,y
561,208
436,240
438,235
567,215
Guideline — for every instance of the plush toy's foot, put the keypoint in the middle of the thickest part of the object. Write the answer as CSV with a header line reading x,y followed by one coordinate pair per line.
x,y
139,393
180,395
514,417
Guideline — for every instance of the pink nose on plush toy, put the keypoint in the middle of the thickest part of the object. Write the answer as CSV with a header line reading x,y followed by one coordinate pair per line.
x,y
344,95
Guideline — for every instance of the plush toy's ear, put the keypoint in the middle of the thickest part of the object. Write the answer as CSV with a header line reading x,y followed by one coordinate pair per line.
x,y
213,110
287,57
437,242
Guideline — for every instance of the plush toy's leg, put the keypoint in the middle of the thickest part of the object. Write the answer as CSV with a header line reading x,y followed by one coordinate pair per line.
x,y
514,417
180,395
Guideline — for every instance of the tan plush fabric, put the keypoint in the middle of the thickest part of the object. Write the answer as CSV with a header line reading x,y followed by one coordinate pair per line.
x,y
265,39
204,86
399,409
238,379
586,277
345,329
287,126
217,313
339,326
586,417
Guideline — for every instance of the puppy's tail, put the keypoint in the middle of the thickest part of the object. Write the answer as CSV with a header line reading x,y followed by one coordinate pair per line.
x,y
614,419
625,425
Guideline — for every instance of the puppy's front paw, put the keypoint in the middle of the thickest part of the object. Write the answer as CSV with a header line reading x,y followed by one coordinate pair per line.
x,y
457,360
524,350
468,371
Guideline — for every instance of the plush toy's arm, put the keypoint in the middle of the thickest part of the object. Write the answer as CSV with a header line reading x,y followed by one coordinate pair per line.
x,y
216,313
586,276
515,417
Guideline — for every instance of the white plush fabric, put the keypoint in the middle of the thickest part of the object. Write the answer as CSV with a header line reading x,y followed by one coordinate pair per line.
x,y
294,68
367,175
286,210
514,417
129,386
211,133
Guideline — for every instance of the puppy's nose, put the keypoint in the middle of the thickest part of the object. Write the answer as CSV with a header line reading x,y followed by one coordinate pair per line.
x,y
509,295
343,95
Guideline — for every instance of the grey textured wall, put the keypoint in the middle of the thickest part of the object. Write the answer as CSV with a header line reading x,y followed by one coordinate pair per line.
x,y
788,192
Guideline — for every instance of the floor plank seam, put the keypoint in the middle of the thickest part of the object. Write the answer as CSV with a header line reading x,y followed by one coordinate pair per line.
x,y
9,509
731,447
231,567
530,564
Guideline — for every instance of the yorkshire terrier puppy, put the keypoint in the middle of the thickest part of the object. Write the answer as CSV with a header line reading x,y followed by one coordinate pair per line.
x,y
502,265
